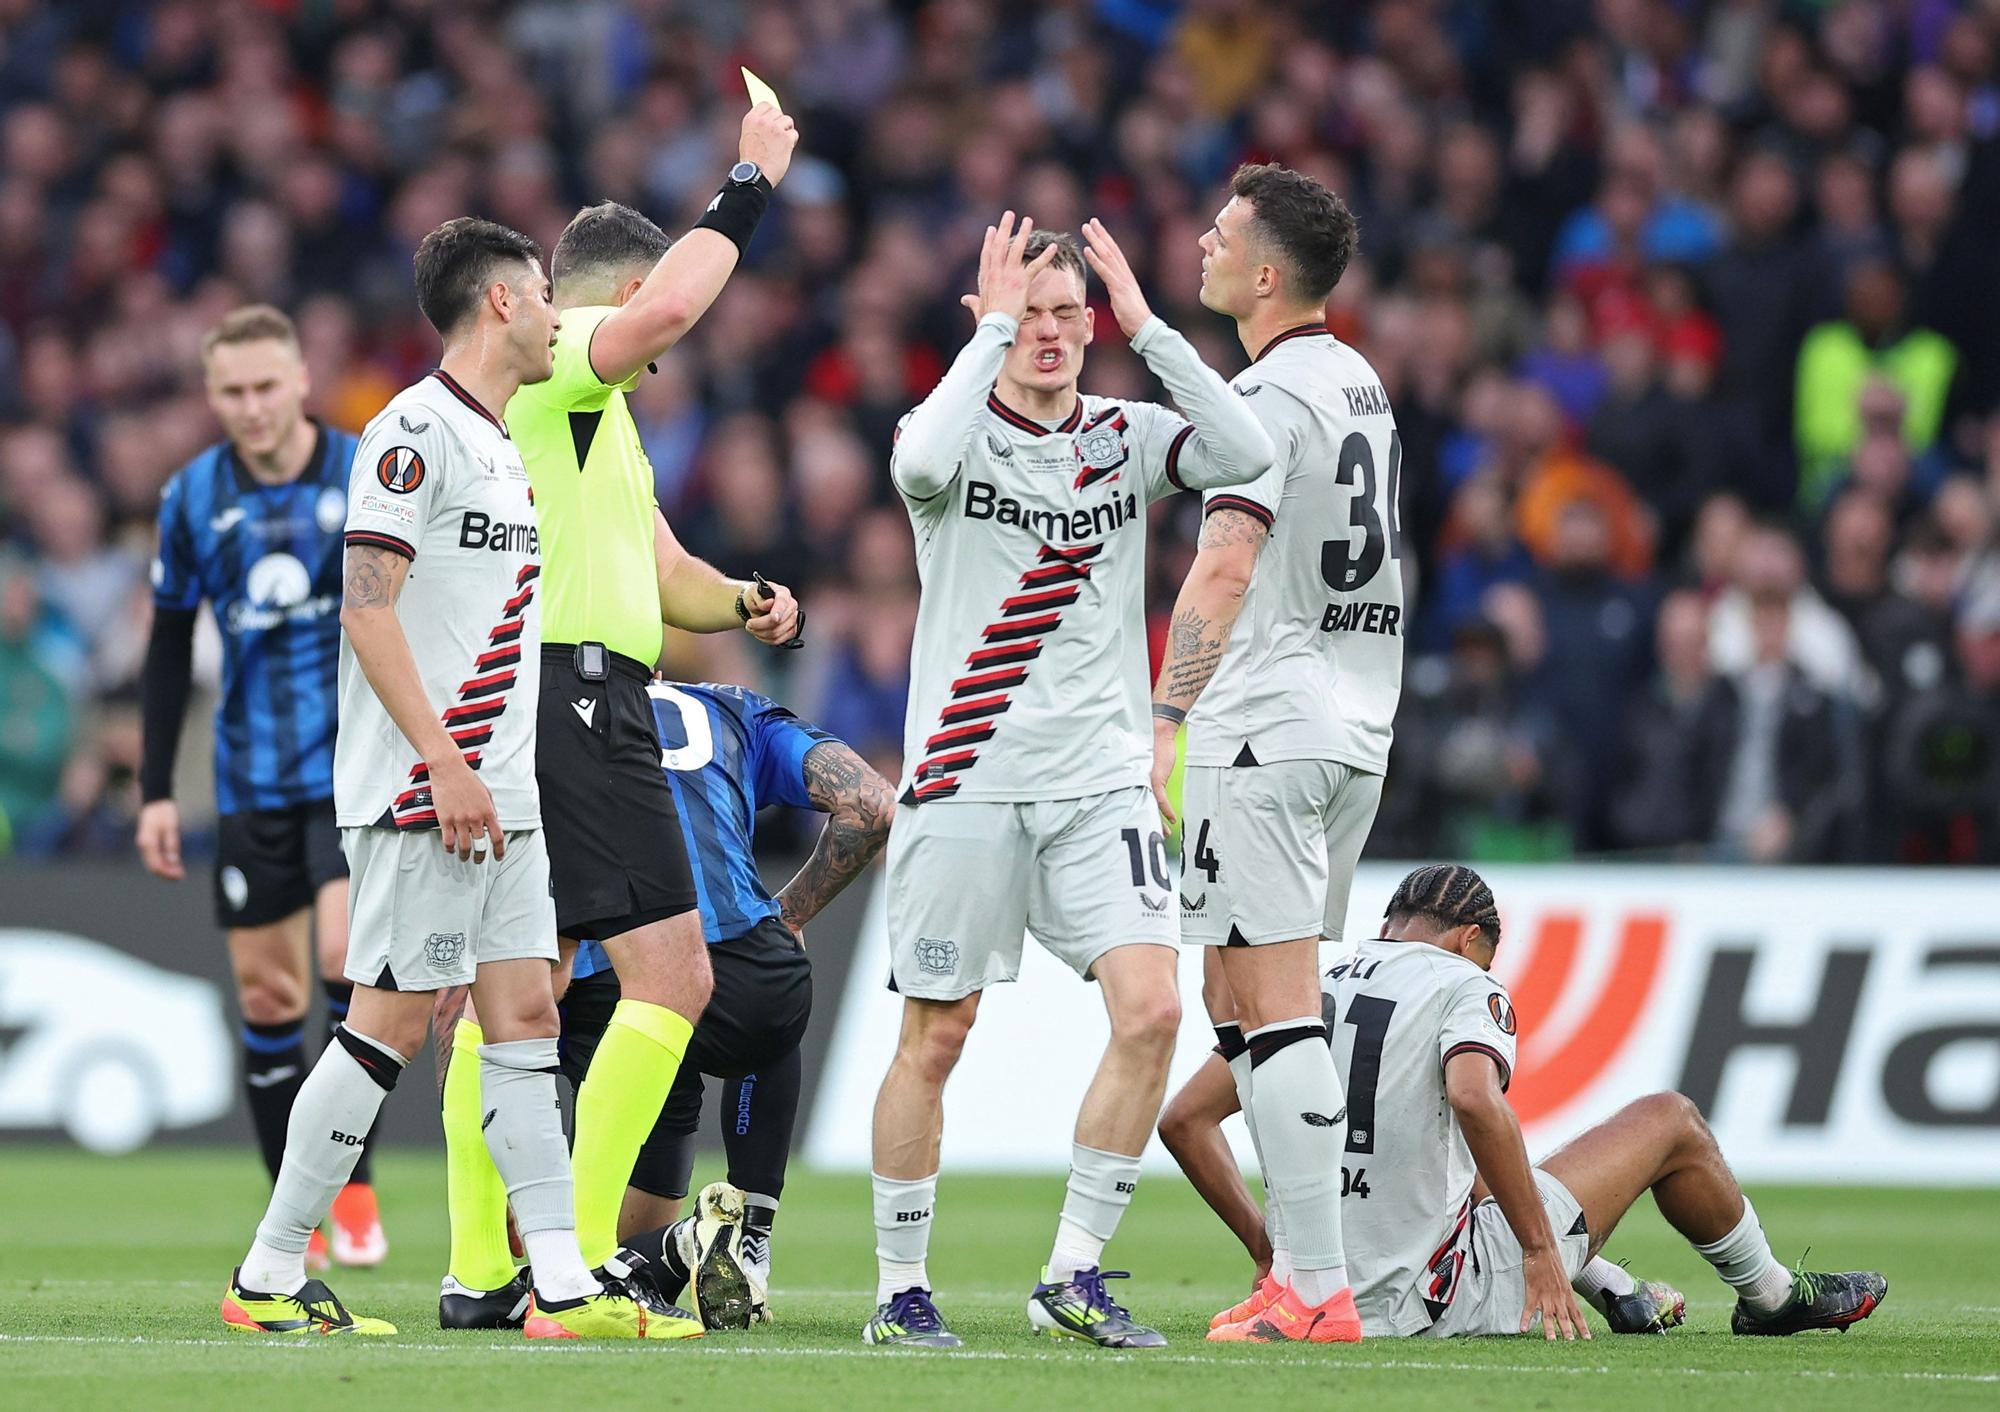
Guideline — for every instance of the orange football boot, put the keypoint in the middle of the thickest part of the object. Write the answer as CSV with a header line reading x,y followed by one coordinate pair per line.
x,y
1288,1320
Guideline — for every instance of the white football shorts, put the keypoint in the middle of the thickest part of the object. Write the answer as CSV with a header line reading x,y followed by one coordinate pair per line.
x,y
1268,851
1494,1291
420,919
969,878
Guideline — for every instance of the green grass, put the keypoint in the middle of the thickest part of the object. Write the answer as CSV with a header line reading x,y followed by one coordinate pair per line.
x,y
110,1272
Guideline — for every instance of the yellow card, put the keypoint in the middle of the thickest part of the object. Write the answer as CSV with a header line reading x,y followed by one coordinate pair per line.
x,y
760,91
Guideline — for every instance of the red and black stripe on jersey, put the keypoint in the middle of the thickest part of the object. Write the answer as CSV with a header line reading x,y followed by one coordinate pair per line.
x,y
452,385
379,539
482,700
1446,1264
1237,502
1174,456
993,671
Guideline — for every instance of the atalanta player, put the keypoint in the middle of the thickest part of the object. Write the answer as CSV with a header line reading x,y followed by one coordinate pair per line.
x,y
252,525
726,753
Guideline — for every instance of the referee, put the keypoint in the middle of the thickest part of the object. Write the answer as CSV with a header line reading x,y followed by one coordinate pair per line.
x,y
612,574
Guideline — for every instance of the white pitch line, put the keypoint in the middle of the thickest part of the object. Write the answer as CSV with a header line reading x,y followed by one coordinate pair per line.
x,y
699,1348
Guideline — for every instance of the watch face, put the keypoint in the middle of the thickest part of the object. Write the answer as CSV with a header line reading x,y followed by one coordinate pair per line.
x,y
743,172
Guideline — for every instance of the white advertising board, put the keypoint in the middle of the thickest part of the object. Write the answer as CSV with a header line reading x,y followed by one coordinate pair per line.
x,y
1835,1025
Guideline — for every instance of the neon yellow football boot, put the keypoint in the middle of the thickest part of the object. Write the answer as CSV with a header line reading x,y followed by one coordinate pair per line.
x,y
611,1313
315,1309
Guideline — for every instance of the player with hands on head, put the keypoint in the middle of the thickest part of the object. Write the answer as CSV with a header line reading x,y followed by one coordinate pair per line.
x,y
1025,743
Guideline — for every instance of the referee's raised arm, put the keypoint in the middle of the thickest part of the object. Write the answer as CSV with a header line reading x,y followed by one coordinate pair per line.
x,y
612,577
681,286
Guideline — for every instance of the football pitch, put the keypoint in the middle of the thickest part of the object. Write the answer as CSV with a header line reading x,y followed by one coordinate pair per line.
x,y
111,1270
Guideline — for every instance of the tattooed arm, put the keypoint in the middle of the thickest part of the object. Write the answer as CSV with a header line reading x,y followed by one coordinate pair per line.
x,y
859,805
374,577
1204,613
372,582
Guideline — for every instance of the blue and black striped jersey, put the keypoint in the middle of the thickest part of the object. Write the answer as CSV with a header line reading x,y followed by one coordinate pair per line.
x,y
727,752
267,558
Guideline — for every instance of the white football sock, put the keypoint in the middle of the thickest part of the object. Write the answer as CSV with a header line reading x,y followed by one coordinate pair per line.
x,y
903,1211
1743,1258
517,1084
1100,1188
1302,1153
1274,1219
335,1108
1600,1276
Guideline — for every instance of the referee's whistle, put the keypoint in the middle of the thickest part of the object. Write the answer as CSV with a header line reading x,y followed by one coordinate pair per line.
x,y
798,637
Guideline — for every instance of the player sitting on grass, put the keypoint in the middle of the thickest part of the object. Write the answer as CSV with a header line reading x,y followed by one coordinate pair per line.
x,y
726,753
1424,1040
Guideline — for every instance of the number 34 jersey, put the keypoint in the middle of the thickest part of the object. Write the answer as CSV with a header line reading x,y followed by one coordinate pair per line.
x,y
1397,1012
1314,666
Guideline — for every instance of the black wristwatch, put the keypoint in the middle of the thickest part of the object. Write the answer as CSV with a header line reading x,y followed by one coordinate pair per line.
x,y
748,174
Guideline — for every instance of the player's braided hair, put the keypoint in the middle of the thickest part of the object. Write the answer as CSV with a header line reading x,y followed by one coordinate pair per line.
x,y
1450,893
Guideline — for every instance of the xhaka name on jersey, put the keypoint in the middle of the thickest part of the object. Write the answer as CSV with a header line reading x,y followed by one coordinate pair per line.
x,y
984,502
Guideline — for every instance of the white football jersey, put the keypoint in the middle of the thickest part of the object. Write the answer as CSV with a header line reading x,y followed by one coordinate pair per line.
x,y
437,479
1029,672
1396,1012
1314,666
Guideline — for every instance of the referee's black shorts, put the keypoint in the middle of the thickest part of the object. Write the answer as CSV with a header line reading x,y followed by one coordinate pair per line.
x,y
756,1016
617,859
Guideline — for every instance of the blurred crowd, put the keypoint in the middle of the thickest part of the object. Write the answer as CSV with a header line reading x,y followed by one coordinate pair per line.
x,y
1684,307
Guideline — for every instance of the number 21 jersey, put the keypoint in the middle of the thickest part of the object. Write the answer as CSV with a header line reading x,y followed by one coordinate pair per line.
x,y
1397,1012
1314,665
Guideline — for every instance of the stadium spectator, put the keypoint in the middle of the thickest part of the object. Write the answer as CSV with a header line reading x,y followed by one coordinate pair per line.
x,y
1597,659
35,720
1792,786
1942,745
1687,262
1767,287
1679,739
1770,565
1835,362
1491,772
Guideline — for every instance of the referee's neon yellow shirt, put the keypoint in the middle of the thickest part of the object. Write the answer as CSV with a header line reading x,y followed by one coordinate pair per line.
x,y
593,499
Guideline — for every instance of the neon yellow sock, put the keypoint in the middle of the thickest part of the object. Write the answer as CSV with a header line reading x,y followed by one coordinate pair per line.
x,y
616,1107
475,1197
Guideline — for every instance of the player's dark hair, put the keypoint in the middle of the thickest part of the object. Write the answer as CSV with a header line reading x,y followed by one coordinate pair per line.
x,y
458,261
1069,254
606,236
1450,894
1310,228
